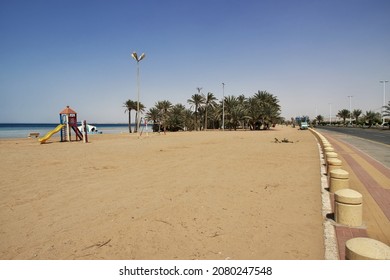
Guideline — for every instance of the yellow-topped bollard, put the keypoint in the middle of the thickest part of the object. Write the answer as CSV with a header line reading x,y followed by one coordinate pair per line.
x,y
326,144
329,155
339,179
328,149
348,207
333,163
363,248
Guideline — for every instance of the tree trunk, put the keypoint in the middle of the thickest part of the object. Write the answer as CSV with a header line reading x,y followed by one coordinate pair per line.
x,y
136,123
129,121
205,119
196,118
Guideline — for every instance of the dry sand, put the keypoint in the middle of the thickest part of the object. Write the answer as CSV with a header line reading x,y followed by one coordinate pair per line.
x,y
185,195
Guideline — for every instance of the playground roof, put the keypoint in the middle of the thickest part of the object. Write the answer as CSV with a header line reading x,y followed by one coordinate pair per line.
x,y
67,110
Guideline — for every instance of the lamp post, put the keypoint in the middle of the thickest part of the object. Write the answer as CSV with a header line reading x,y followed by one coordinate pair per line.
x,y
223,106
138,59
330,113
350,109
384,100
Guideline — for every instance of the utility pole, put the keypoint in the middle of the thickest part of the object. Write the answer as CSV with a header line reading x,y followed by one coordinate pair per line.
x,y
138,59
223,106
384,100
350,109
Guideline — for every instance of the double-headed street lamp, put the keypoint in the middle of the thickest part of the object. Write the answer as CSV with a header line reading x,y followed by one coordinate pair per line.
x,y
384,100
138,59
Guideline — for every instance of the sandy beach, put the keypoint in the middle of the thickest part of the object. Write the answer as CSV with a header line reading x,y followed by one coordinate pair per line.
x,y
186,195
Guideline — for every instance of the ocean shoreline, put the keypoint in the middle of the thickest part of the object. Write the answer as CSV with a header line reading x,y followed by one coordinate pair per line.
x,y
22,130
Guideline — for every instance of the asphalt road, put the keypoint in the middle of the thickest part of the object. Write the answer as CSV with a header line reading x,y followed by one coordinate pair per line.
x,y
377,135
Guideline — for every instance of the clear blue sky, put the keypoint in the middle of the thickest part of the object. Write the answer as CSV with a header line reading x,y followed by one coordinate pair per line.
x,y
309,53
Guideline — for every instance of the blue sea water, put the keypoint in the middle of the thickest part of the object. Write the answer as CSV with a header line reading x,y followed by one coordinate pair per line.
x,y
22,130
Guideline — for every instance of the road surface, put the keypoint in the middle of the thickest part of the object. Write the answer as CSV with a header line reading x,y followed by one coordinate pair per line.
x,y
373,142
377,135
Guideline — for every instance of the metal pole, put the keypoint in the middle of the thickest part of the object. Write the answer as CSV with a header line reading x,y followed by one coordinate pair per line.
x,y
330,113
384,100
350,109
138,59
223,106
138,96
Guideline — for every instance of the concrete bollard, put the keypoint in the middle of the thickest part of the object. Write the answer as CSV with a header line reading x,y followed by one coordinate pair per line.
x,y
326,144
348,207
339,179
333,163
331,155
328,150
363,248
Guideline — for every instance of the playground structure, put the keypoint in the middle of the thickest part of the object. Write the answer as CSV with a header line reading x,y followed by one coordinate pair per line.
x,y
68,122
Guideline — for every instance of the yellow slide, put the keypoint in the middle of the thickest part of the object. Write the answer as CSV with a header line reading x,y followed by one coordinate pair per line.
x,y
50,133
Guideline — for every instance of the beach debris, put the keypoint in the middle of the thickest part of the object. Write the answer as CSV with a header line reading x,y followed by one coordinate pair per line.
x,y
98,245
165,222
215,234
284,140
271,186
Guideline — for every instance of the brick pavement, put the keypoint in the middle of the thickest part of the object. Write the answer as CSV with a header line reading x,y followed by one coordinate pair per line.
x,y
372,179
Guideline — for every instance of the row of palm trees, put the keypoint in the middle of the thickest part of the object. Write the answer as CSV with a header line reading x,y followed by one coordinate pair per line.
x,y
369,118
131,105
260,111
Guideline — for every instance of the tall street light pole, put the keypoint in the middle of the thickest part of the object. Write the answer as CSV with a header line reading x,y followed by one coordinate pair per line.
x,y
350,109
384,100
330,113
138,59
223,106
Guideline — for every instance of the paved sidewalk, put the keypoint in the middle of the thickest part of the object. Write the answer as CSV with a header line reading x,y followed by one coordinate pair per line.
x,y
376,150
372,179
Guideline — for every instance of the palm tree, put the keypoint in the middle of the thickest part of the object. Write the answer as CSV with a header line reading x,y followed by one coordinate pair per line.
x,y
242,103
371,117
209,102
163,107
241,99
215,115
232,111
154,115
196,101
320,119
356,114
344,113
237,114
252,112
188,120
130,105
176,119
269,108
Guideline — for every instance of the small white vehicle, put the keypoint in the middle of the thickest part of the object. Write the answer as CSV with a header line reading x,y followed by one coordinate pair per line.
x,y
304,126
